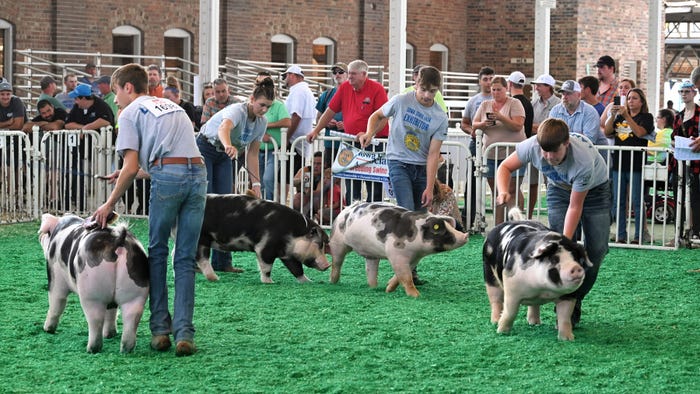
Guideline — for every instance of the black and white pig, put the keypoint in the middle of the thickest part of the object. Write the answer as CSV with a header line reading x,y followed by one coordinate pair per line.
x,y
106,268
381,230
527,263
235,222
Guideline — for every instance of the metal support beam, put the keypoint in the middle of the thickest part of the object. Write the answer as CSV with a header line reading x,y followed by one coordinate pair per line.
x,y
656,33
397,46
208,45
542,32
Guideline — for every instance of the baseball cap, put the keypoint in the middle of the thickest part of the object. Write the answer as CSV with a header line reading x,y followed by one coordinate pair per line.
x,y
570,86
82,90
341,66
104,79
293,69
544,79
687,85
517,77
4,85
605,61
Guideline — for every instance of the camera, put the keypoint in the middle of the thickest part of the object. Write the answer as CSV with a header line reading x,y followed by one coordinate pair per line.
x,y
616,100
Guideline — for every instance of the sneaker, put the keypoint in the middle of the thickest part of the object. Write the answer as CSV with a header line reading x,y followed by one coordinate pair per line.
x,y
160,343
185,348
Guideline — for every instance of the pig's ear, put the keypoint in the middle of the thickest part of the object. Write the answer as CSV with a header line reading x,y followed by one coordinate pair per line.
x,y
545,249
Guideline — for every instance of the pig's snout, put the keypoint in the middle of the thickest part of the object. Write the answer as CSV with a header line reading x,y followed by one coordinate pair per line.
x,y
575,273
321,263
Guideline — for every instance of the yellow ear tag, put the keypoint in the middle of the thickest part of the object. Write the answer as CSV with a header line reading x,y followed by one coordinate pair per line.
x,y
436,226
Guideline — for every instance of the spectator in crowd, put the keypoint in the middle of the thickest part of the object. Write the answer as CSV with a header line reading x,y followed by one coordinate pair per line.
x,y
222,98
49,118
545,100
669,105
589,93
664,130
301,106
70,81
277,118
179,182
687,124
445,203
104,84
155,88
172,93
608,82
516,82
306,181
502,119
340,75
48,90
631,125
233,129
13,114
581,117
485,76
623,87
578,191
207,91
357,98
89,113
89,78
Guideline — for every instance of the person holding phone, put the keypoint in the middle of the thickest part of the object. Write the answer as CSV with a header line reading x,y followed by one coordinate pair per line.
x,y
502,119
631,124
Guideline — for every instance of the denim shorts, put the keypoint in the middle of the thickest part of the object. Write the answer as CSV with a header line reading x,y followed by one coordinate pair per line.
x,y
491,165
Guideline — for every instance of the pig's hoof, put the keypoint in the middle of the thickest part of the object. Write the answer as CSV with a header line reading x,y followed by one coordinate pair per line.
x,y
534,322
303,279
266,279
50,329
111,333
212,277
503,330
566,336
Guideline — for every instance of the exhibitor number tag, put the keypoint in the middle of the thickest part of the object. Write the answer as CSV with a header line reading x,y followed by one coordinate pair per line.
x,y
160,107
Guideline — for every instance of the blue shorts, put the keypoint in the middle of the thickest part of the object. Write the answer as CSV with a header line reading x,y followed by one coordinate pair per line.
x,y
491,165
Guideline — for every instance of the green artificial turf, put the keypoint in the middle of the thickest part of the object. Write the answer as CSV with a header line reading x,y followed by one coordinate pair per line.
x,y
639,332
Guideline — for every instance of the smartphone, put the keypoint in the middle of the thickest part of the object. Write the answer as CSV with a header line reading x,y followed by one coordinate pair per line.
x,y
616,100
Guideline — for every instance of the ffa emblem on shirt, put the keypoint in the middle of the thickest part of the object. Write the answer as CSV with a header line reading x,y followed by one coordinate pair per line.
x,y
623,130
412,142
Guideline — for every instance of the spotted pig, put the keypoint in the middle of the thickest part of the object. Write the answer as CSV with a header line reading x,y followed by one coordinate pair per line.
x,y
242,223
526,263
382,230
106,268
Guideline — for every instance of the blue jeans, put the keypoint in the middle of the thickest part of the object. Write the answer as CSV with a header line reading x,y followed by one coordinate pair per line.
x,y
220,178
408,182
637,205
595,222
267,173
178,196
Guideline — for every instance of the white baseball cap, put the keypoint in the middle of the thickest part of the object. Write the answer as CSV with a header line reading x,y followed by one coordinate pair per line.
x,y
517,77
293,69
545,79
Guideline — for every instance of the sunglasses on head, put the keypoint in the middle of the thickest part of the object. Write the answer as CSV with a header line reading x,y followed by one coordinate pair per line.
x,y
336,72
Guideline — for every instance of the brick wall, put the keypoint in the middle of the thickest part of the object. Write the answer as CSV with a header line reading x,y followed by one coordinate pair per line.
x,y
476,33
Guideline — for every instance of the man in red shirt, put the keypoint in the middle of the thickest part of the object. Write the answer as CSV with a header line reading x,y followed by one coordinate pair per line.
x,y
357,98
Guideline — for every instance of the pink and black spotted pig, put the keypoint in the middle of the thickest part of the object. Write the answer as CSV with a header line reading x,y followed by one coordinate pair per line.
x,y
106,268
526,263
381,230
